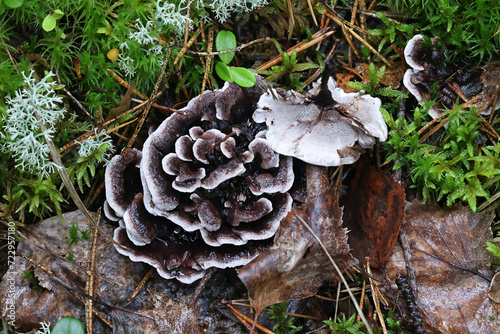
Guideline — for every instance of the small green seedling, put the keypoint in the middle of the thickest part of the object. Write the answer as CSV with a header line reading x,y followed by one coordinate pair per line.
x,y
389,34
10,4
224,41
68,326
494,248
32,280
49,22
290,66
73,234
70,256
372,86
284,321
346,326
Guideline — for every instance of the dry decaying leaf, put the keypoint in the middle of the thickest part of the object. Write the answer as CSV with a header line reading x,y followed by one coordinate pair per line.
x,y
374,210
392,77
115,277
447,246
182,318
295,266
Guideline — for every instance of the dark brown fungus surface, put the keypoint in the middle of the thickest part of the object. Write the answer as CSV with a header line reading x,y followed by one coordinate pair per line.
x,y
207,190
431,76
123,182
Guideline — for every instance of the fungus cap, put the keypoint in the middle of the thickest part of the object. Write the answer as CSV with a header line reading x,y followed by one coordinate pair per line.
x,y
335,136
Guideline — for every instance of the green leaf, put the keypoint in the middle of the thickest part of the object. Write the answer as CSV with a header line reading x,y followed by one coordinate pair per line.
x,y
286,59
493,248
224,41
73,234
242,76
223,72
49,23
58,14
304,66
293,58
12,4
68,326
376,32
102,30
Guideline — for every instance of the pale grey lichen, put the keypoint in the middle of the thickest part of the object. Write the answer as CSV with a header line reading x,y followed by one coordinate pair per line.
x,y
156,50
45,328
126,65
25,139
124,46
169,13
89,146
224,8
143,33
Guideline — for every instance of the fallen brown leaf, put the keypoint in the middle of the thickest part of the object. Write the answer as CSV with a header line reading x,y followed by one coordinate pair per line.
x,y
180,317
451,265
295,266
157,308
343,81
374,210
124,103
392,76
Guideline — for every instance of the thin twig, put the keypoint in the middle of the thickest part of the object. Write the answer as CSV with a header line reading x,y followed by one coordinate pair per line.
x,y
236,49
163,108
343,23
66,148
89,285
375,298
489,201
244,319
494,105
140,285
433,130
201,286
311,9
125,84
339,20
291,18
184,48
76,291
88,136
149,102
209,60
431,122
8,53
67,181
365,321
72,97
317,38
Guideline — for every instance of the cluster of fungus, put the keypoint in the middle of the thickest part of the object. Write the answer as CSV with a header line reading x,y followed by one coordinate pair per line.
x,y
432,77
207,189
212,184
